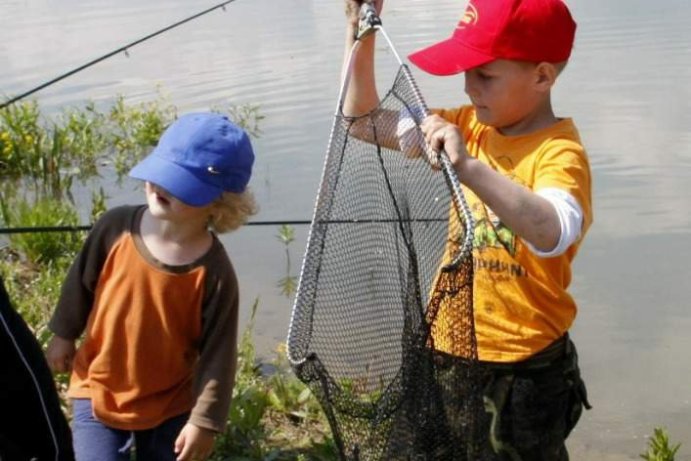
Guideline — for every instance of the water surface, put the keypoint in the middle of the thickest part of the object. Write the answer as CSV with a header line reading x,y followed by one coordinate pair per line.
x,y
627,87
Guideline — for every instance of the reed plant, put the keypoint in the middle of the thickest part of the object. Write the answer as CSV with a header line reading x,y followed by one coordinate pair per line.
x,y
659,447
44,248
288,283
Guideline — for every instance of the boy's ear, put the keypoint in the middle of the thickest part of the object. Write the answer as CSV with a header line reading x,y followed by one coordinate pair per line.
x,y
545,76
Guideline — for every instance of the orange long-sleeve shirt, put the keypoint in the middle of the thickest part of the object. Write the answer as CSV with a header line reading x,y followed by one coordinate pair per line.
x,y
159,340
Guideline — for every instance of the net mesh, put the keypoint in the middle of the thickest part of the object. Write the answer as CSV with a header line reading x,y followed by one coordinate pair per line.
x,y
363,330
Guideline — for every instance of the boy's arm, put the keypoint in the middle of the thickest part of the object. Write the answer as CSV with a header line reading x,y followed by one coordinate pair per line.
x,y
215,374
72,311
361,97
529,215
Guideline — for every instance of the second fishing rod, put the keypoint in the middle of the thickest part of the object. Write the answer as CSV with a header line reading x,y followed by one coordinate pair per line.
x,y
122,49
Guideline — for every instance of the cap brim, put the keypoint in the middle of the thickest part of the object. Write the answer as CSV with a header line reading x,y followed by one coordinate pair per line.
x,y
448,57
176,180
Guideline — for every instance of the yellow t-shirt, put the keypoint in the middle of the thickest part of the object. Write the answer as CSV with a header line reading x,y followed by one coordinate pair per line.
x,y
521,303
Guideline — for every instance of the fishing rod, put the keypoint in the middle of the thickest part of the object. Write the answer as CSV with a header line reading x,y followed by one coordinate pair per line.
x,y
112,53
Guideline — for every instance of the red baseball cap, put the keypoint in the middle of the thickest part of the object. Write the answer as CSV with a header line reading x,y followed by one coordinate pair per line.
x,y
524,30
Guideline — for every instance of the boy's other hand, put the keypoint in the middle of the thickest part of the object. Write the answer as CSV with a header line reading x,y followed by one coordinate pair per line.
x,y
442,135
60,354
194,443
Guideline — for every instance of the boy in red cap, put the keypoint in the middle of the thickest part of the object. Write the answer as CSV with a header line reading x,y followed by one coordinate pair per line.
x,y
527,180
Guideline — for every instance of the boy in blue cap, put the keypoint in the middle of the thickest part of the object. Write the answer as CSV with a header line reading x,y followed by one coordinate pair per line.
x,y
156,294
527,180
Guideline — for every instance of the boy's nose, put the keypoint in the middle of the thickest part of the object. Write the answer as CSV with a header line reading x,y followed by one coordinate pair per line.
x,y
158,189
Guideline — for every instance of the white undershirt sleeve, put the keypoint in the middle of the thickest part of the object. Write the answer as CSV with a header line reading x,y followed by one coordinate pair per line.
x,y
570,216
410,139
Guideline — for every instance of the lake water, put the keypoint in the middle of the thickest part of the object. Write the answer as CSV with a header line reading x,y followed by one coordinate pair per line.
x,y
627,87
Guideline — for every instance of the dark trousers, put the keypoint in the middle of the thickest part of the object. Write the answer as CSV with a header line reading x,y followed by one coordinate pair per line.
x,y
32,426
94,441
530,407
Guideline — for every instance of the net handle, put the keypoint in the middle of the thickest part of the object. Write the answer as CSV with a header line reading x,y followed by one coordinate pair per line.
x,y
370,23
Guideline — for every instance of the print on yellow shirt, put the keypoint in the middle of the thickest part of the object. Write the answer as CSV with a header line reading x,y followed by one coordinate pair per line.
x,y
490,232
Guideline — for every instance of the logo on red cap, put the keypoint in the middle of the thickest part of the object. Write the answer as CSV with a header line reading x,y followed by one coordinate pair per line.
x,y
470,17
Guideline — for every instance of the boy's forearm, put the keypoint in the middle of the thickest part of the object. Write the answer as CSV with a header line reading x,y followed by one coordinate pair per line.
x,y
213,396
216,367
361,95
530,216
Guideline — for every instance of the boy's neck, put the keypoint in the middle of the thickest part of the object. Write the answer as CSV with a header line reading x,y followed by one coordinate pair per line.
x,y
538,119
175,243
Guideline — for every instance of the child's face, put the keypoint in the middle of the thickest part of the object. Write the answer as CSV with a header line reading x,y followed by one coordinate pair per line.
x,y
504,93
164,206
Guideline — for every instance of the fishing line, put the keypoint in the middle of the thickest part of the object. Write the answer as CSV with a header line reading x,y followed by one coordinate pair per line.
x,y
83,228
112,53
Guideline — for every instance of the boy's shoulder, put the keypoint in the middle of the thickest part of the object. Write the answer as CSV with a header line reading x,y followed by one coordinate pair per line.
x,y
120,212
562,132
218,260
465,117
117,220
462,116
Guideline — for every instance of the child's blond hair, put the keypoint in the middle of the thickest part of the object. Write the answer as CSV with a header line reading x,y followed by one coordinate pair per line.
x,y
232,210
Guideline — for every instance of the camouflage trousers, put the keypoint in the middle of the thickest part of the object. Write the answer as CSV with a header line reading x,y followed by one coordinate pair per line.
x,y
530,407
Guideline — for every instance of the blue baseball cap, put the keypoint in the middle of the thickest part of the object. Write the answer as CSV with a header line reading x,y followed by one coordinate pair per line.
x,y
198,157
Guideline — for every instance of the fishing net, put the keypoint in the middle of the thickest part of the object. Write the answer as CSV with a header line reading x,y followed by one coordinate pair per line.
x,y
377,289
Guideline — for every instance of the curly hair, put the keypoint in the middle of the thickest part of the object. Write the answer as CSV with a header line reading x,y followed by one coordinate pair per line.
x,y
231,211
